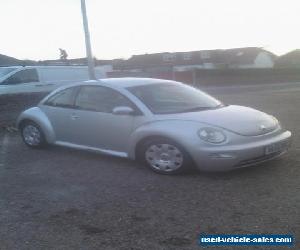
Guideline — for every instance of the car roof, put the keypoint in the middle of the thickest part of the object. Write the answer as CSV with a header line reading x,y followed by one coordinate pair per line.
x,y
123,82
126,82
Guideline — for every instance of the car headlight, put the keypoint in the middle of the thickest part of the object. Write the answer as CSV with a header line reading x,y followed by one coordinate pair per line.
x,y
275,120
211,135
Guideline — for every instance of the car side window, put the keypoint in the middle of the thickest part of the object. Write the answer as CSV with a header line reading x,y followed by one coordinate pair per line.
x,y
23,76
64,98
100,99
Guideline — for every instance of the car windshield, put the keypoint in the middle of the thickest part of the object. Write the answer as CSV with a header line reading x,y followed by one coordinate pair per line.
x,y
5,71
173,98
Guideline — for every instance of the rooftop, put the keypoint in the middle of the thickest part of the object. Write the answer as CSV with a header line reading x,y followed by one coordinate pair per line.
x,y
131,81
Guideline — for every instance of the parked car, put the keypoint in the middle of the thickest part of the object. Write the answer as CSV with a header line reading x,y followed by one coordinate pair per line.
x,y
18,79
168,125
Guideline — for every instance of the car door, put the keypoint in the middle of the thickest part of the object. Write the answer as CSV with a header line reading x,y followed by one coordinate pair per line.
x,y
59,109
96,125
23,81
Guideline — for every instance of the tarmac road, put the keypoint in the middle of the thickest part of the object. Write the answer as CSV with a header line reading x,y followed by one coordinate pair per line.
x,y
61,198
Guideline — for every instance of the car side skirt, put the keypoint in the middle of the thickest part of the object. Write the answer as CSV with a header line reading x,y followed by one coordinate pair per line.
x,y
88,148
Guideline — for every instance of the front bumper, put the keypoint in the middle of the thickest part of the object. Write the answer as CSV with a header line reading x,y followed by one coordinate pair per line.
x,y
229,157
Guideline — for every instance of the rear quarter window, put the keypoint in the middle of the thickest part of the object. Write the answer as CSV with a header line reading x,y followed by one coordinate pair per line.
x,y
64,98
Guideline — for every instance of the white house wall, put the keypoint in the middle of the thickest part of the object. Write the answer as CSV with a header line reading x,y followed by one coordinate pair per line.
x,y
263,60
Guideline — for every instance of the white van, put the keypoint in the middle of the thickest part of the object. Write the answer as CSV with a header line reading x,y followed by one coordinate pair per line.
x,y
18,79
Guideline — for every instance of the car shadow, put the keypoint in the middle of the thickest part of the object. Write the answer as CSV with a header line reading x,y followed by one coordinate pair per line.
x,y
262,168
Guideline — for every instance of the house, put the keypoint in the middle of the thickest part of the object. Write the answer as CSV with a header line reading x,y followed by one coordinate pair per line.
x,y
167,61
289,60
250,57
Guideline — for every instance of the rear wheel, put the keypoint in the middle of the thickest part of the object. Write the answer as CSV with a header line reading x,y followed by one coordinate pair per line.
x,y
32,135
165,156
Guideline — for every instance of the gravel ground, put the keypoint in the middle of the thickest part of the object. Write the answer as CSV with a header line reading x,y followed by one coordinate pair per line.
x,y
60,198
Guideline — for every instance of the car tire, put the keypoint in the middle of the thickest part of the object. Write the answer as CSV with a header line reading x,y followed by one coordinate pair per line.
x,y
32,135
164,156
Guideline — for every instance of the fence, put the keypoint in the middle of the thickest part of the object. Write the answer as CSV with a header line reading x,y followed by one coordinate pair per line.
x,y
221,76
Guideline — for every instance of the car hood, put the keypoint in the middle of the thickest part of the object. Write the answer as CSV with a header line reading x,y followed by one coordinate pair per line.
x,y
238,119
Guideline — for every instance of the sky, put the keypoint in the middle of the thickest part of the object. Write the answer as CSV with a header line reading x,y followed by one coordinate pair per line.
x,y
35,29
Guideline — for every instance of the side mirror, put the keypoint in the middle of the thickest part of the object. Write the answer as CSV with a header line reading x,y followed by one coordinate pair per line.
x,y
123,110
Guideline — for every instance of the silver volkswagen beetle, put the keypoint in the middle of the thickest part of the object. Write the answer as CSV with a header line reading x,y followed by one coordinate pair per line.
x,y
168,125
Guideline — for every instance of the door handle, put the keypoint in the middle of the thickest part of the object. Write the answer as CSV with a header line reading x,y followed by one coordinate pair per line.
x,y
74,116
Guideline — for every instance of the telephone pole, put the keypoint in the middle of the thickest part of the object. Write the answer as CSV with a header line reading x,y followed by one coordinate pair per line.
x,y
91,66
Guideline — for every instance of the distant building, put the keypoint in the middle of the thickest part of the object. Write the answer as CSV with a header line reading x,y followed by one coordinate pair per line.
x,y
161,63
289,60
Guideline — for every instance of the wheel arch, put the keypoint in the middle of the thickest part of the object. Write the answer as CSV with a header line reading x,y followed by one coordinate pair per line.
x,y
37,116
23,122
139,144
184,136
147,138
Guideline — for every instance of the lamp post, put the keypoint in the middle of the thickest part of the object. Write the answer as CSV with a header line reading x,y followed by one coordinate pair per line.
x,y
91,66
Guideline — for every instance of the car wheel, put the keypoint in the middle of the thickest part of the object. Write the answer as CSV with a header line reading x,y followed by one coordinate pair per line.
x,y
32,135
165,156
